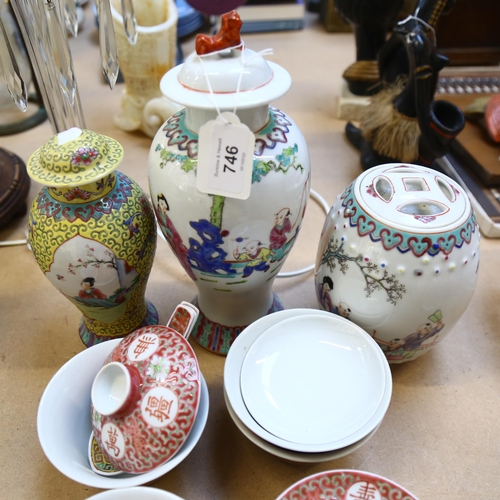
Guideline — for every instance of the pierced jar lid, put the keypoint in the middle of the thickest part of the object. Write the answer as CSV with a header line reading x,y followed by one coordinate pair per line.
x,y
74,157
412,198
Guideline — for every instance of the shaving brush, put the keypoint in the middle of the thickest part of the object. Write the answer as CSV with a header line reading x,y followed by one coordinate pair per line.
x,y
403,123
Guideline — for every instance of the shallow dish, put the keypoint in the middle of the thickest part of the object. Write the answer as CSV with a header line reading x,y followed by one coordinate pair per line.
x,y
232,372
294,456
346,485
64,423
312,380
137,493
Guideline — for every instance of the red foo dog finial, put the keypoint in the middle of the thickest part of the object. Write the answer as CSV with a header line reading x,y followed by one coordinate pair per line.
x,y
227,37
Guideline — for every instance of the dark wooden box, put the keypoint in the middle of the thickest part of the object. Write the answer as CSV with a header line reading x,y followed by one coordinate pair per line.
x,y
469,34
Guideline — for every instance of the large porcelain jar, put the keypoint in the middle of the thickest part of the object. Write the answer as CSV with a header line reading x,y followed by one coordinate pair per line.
x,y
399,255
93,233
231,248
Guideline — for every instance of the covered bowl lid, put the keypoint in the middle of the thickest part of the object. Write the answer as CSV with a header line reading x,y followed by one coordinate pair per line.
x,y
223,72
145,398
74,157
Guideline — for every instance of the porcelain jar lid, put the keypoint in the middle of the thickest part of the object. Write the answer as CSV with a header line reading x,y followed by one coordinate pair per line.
x,y
223,71
73,158
146,396
412,198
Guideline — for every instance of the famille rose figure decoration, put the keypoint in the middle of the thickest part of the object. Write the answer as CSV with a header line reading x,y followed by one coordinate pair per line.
x,y
232,247
399,256
93,233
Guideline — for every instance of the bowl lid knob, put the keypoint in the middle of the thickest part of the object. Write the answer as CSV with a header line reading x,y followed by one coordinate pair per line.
x,y
115,389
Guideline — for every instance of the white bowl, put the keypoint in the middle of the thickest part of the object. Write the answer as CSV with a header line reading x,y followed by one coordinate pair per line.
x,y
137,493
233,370
64,422
295,456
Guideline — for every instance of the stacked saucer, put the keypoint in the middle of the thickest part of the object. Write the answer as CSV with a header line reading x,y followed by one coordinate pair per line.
x,y
306,385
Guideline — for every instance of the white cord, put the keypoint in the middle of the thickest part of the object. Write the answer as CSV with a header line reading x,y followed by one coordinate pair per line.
x,y
12,243
324,205
320,201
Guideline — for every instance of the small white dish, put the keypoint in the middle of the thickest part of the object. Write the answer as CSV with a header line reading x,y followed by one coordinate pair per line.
x,y
64,422
294,456
314,380
137,493
232,372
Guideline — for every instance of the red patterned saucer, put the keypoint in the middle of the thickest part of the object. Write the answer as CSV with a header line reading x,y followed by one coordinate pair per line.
x,y
346,485
145,397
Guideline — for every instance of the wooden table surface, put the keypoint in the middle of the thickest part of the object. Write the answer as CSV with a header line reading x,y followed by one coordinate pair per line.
x,y
441,435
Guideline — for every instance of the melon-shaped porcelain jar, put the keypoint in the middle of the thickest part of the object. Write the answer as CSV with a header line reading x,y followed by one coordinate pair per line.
x,y
231,248
399,255
93,233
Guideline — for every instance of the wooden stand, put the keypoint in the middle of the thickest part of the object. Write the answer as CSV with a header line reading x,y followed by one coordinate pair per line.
x,y
14,186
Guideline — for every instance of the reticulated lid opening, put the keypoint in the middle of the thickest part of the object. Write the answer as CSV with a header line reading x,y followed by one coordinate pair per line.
x,y
423,208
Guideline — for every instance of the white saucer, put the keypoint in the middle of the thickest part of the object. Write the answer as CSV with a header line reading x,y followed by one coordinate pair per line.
x,y
294,456
232,372
314,380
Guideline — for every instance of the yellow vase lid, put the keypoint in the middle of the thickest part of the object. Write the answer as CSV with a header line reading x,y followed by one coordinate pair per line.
x,y
73,158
